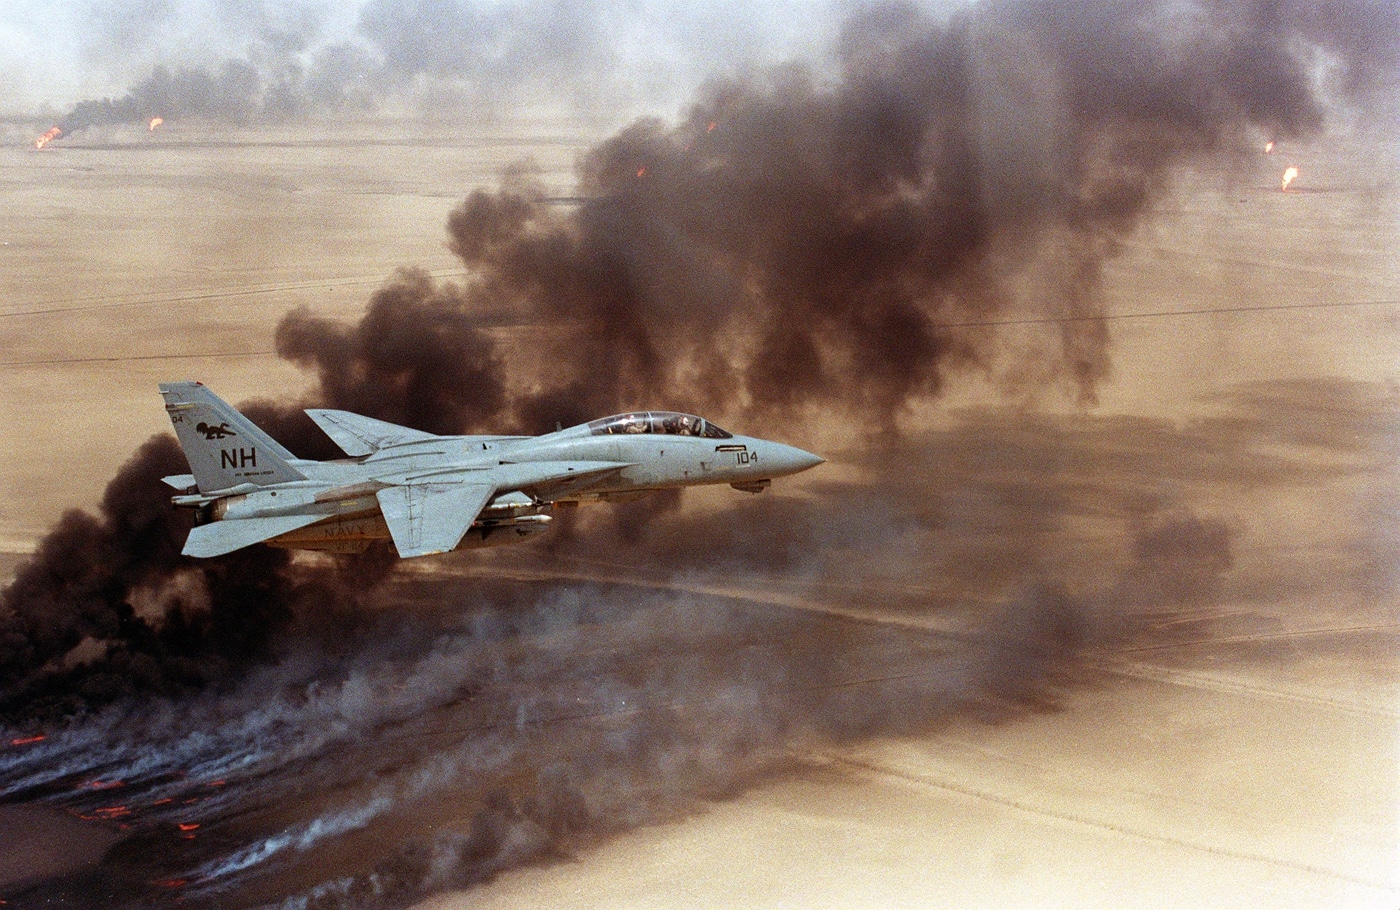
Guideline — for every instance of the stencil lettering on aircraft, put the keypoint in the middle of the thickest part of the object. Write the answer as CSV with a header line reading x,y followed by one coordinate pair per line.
x,y
238,458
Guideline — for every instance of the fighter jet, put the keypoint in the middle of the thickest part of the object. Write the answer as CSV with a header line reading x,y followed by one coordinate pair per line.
x,y
434,494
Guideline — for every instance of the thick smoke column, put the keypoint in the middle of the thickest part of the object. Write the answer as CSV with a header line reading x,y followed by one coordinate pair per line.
x,y
417,356
848,245
108,607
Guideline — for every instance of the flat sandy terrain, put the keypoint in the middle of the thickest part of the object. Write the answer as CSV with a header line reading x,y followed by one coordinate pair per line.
x,y
1248,755
1206,778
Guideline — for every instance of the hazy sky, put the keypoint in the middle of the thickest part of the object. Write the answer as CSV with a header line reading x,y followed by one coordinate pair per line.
x,y
611,52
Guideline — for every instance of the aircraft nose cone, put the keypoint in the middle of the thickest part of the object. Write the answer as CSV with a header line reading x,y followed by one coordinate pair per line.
x,y
790,459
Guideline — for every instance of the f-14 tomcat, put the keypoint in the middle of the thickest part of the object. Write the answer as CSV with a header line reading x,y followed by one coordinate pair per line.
x,y
433,494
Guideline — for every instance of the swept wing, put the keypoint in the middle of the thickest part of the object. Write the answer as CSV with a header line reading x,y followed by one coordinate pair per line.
x,y
358,435
431,512
427,518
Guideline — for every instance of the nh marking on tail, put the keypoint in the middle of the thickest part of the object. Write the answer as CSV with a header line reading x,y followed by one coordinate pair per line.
x,y
238,458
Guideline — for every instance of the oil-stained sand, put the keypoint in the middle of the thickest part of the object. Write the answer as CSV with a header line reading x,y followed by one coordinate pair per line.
x,y
1239,749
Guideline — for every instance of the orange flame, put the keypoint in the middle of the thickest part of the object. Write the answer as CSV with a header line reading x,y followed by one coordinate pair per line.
x,y
153,123
1269,147
1289,175
48,137
27,740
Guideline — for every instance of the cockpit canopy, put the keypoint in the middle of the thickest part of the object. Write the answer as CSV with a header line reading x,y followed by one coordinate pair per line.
x,y
667,422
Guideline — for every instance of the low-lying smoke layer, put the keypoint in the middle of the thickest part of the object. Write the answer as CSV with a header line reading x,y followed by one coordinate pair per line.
x,y
240,63
455,725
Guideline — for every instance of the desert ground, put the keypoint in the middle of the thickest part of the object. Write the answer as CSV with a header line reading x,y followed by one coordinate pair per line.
x,y
1243,753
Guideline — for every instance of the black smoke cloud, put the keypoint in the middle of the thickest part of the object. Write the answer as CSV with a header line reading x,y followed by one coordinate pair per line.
x,y
232,94
107,607
417,355
800,242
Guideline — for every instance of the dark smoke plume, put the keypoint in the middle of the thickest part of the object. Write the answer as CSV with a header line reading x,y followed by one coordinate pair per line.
x,y
231,94
1035,79
416,356
107,607
847,246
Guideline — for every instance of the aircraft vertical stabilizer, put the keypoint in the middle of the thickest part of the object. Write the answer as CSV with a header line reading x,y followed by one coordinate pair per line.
x,y
224,448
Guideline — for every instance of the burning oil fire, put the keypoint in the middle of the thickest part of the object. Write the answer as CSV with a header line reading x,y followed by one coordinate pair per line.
x,y
153,123
48,137
1269,147
1288,177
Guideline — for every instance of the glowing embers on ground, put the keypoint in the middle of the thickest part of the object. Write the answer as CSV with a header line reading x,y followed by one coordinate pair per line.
x,y
105,813
1289,175
48,137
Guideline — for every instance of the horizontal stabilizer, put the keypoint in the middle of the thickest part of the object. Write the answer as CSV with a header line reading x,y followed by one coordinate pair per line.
x,y
181,482
428,518
220,537
358,435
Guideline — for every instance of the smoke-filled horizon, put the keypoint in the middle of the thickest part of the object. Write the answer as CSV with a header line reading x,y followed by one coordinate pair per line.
x,y
251,62
256,62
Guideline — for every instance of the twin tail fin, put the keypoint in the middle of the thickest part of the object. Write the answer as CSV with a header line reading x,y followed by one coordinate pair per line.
x,y
224,448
